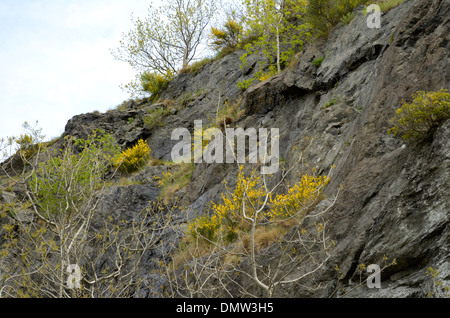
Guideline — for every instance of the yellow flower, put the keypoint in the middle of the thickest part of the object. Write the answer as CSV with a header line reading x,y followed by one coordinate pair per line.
x,y
133,158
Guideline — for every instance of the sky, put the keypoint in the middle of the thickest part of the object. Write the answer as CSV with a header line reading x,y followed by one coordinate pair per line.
x,y
55,60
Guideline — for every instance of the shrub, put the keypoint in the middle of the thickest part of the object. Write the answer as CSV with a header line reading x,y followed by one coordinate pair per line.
x,y
387,5
204,227
226,217
303,194
325,14
248,193
155,118
275,29
149,83
245,84
173,182
27,147
318,62
346,19
155,83
228,37
196,66
229,113
416,119
63,183
228,221
134,158
330,103
265,76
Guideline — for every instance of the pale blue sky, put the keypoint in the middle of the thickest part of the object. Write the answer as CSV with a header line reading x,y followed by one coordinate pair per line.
x,y
55,60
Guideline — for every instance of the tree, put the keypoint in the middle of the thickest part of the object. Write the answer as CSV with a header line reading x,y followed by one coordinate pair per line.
x,y
53,241
279,31
168,38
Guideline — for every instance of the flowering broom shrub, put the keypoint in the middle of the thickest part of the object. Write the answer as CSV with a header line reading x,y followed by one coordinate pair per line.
x,y
204,227
227,38
250,195
302,195
247,197
133,158
427,110
154,83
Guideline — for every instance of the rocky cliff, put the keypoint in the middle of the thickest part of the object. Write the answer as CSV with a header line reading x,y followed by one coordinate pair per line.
x,y
393,196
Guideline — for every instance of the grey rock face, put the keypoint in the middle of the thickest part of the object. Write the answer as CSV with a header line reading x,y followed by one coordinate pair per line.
x,y
395,197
